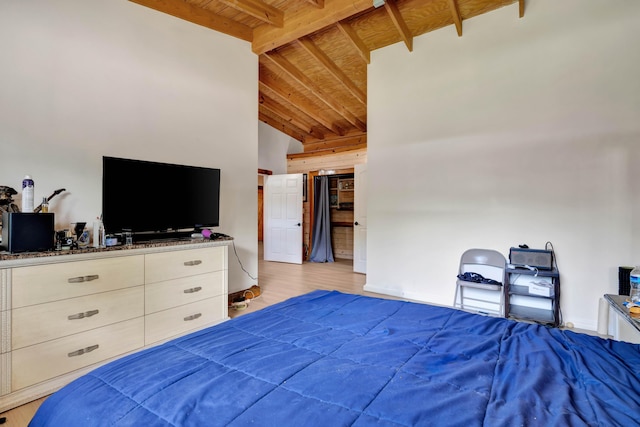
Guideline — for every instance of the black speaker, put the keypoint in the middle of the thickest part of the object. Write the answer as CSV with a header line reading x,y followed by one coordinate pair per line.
x,y
624,277
27,232
538,258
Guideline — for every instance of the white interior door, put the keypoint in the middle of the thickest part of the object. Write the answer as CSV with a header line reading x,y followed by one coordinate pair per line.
x,y
360,220
283,218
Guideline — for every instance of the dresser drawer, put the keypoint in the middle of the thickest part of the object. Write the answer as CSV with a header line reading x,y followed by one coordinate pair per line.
x,y
52,282
43,322
172,293
178,320
172,265
31,365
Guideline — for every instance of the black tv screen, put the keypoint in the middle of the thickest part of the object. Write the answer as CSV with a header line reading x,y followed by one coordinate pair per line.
x,y
147,197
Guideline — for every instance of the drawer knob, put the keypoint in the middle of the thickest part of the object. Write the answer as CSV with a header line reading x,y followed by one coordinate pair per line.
x,y
81,279
192,317
192,263
83,350
193,290
83,315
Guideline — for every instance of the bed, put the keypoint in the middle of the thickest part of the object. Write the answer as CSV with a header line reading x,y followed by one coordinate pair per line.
x,y
333,359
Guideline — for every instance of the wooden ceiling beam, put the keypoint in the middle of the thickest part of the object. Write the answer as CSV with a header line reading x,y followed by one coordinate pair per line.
x,y
304,22
285,128
398,21
288,116
457,19
521,7
200,16
354,142
259,10
316,148
283,98
356,41
333,69
281,62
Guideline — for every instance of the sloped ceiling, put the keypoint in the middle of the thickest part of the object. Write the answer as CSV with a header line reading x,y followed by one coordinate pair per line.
x,y
313,54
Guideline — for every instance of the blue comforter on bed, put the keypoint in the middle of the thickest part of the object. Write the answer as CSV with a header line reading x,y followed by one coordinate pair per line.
x,y
333,359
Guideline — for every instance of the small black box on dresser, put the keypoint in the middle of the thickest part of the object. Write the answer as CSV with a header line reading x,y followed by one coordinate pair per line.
x,y
27,232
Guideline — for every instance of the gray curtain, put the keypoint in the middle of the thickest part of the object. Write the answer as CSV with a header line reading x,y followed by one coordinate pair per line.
x,y
321,251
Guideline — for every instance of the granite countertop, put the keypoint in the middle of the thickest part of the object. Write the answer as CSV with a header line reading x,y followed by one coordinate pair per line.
x,y
616,301
6,256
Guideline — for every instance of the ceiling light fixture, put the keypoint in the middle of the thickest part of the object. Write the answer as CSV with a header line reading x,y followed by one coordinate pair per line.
x,y
378,3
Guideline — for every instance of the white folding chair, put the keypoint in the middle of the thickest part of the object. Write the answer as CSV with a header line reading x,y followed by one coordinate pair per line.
x,y
481,296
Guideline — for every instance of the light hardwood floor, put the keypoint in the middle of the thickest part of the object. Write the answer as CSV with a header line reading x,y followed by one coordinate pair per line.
x,y
278,282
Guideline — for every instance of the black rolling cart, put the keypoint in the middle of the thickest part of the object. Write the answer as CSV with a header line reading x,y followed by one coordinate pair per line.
x,y
533,295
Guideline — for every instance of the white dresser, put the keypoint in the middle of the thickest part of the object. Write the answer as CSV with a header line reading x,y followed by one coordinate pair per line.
x,y
63,314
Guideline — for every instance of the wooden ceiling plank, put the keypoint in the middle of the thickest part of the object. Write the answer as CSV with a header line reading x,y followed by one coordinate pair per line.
x,y
281,62
283,98
288,116
394,13
306,21
521,7
352,142
457,19
333,69
356,41
259,10
284,115
200,16
282,127
317,148
317,3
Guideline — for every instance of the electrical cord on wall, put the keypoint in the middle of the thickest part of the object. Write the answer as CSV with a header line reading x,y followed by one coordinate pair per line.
x,y
233,243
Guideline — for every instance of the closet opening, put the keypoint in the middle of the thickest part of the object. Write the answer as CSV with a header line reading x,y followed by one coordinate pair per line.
x,y
341,199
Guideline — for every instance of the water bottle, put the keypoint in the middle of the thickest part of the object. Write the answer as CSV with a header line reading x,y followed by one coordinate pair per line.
x,y
27,194
98,234
44,207
634,281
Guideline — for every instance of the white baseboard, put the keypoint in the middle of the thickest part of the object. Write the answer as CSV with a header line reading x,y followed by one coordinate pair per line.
x,y
397,293
384,291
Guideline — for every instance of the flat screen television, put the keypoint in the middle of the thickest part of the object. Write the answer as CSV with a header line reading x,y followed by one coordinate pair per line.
x,y
158,200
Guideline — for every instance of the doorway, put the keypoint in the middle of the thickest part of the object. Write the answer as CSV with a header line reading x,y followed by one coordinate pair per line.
x,y
261,175
341,197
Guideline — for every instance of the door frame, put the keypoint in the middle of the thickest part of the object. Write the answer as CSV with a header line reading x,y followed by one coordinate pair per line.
x,y
261,174
361,182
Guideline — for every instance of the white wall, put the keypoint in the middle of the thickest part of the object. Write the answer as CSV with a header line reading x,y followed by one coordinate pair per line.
x,y
272,149
80,79
521,131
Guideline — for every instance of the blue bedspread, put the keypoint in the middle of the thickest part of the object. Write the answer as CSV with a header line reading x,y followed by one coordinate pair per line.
x,y
333,359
